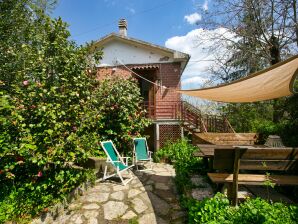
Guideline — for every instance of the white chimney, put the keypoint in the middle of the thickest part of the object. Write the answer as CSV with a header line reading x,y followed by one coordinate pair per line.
x,y
122,27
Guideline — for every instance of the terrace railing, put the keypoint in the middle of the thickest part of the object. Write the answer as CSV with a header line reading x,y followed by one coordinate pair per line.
x,y
190,116
163,110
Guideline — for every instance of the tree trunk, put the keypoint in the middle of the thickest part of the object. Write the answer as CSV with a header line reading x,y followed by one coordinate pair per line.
x,y
274,50
275,58
295,19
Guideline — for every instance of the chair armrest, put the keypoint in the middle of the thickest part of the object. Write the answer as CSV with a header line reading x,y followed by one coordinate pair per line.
x,y
125,159
118,161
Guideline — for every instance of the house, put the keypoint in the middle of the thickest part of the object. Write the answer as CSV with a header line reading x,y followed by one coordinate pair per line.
x,y
158,70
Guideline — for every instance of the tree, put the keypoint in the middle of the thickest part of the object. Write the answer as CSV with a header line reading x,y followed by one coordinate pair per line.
x,y
264,33
44,75
264,30
53,111
247,117
44,89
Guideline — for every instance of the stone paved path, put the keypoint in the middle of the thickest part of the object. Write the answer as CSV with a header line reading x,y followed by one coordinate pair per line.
x,y
149,198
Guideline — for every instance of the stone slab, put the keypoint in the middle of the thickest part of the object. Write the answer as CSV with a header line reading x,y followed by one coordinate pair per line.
x,y
160,206
148,219
97,197
119,195
201,193
129,215
139,205
92,206
114,209
133,192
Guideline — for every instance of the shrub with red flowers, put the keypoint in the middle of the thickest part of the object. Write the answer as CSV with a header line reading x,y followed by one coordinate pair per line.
x,y
53,113
118,102
44,90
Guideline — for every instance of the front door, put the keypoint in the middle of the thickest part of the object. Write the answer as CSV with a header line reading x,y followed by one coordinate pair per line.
x,y
151,100
148,90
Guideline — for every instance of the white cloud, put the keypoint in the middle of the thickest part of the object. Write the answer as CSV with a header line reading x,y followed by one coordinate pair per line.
x,y
193,18
131,10
205,5
192,82
110,3
203,48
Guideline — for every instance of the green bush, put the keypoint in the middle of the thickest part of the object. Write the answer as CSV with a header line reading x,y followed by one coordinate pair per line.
x,y
177,152
47,98
180,154
245,116
27,195
261,211
213,210
264,129
120,116
252,211
53,111
288,126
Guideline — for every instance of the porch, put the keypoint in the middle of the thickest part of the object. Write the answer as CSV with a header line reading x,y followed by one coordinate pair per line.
x,y
188,115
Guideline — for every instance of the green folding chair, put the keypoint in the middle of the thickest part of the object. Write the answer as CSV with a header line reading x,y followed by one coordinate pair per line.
x,y
141,152
114,158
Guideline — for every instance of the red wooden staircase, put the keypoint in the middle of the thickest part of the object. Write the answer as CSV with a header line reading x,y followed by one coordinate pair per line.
x,y
196,122
204,128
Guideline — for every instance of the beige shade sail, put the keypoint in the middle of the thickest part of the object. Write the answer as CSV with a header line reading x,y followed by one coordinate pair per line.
x,y
273,82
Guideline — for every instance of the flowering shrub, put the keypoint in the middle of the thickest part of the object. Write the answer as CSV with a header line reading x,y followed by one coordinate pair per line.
x,y
41,108
52,112
120,116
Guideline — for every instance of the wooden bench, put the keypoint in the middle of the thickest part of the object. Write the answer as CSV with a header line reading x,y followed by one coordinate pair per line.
x,y
229,161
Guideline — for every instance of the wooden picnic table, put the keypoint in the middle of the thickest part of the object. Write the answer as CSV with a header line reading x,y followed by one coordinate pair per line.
x,y
206,151
229,163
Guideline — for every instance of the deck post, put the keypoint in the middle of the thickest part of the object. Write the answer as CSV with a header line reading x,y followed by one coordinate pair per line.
x,y
234,192
156,142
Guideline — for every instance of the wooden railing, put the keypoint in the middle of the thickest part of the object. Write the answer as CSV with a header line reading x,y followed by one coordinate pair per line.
x,y
164,110
190,116
215,123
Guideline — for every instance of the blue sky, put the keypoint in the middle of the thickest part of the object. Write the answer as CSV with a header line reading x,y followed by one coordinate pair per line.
x,y
153,21
170,23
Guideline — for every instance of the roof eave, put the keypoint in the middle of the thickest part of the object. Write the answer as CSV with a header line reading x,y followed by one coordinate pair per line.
x,y
177,55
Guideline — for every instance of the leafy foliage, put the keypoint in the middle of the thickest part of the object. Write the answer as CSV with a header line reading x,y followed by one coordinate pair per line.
x,y
180,153
286,128
218,210
258,39
33,191
49,102
288,125
44,90
53,112
120,117
264,129
213,210
247,117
